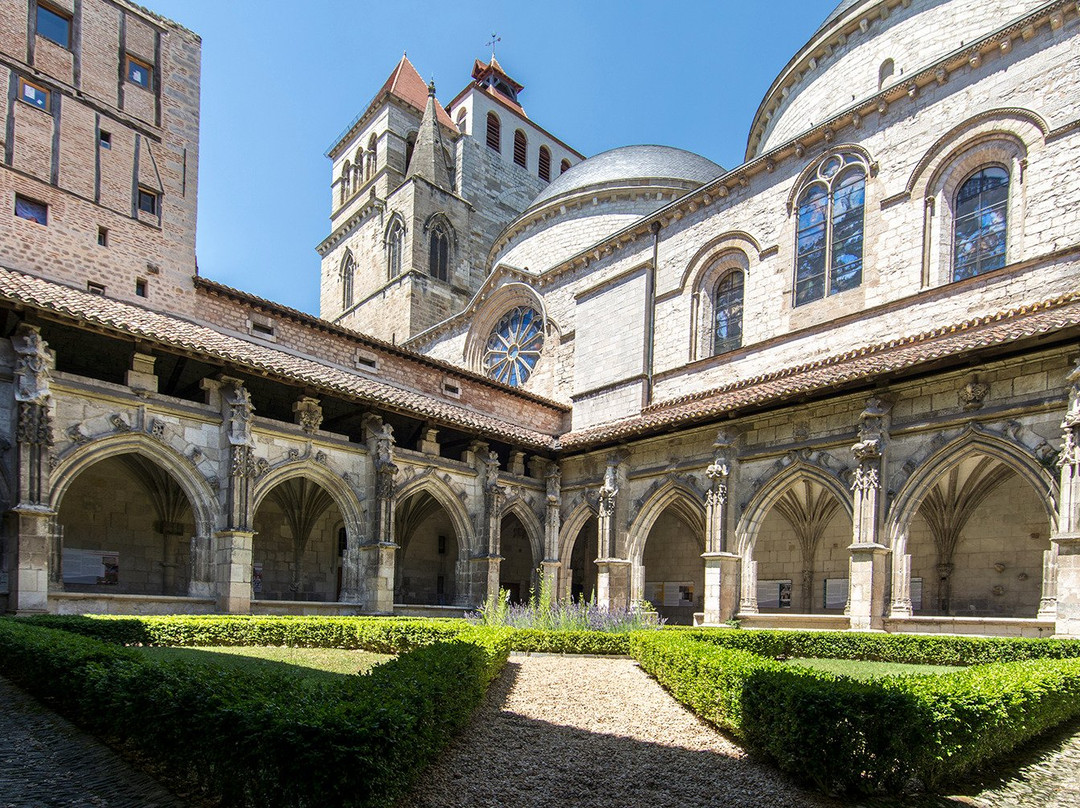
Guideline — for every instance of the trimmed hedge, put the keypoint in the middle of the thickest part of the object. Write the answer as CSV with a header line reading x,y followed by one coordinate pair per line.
x,y
842,734
248,737
602,643
876,647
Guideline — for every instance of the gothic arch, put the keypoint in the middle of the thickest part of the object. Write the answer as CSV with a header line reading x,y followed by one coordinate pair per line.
x,y
571,528
500,301
762,502
204,506
973,441
448,500
343,496
533,529
811,167
672,494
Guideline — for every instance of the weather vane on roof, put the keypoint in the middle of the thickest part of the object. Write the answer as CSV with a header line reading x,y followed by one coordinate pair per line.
x,y
494,39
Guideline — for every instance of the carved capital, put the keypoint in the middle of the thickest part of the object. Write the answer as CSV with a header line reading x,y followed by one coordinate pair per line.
x,y
32,361
308,414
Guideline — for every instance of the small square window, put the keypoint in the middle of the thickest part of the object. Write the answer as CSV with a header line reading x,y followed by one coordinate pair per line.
x,y
33,94
262,328
139,72
105,139
31,210
148,202
102,237
140,287
54,25
95,288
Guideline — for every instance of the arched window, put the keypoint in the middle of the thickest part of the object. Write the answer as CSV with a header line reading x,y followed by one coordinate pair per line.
x,y
521,146
494,132
563,166
358,169
346,173
395,234
829,241
410,144
348,268
462,119
544,164
728,311
514,346
439,256
372,156
885,72
979,223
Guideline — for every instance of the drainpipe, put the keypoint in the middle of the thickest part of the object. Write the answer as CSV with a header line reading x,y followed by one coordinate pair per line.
x,y
650,312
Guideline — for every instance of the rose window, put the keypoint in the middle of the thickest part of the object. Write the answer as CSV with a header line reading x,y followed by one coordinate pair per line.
x,y
514,346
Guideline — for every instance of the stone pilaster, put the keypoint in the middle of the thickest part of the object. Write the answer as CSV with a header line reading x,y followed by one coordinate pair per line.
x,y
232,559
748,602
901,586
552,564
35,535
612,572
201,575
368,574
613,583
1066,541
232,545
1048,600
487,562
721,599
866,583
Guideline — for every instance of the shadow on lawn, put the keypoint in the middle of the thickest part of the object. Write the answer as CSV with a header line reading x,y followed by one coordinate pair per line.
x,y
238,659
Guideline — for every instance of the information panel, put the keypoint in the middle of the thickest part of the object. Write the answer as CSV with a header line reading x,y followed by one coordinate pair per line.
x,y
97,567
836,592
774,594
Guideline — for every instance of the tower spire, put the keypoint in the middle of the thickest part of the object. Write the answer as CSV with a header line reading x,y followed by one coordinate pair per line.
x,y
428,157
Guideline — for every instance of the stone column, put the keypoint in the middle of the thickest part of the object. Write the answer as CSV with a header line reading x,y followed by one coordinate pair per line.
x,y
232,548
368,561
721,600
612,572
1048,601
552,564
201,576
34,547
1066,541
486,563
901,583
866,584
748,603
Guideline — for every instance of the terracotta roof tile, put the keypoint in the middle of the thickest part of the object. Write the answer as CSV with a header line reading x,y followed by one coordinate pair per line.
x,y
175,332
406,84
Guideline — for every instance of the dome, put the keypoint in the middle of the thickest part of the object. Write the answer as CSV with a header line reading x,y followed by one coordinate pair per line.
x,y
629,163
838,12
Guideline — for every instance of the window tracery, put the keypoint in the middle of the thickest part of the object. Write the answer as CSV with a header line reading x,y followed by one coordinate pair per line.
x,y
980,223
829,238
514,346
728,313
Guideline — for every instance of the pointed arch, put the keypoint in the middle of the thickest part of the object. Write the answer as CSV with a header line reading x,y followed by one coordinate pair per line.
x,y
442,245
571,528
204,505
343,496
442,493
533,529
685,502
394,245
775,488
348,277
811,168
973,441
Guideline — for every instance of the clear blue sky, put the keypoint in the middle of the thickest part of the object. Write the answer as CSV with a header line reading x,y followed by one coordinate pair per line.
x,y
280,81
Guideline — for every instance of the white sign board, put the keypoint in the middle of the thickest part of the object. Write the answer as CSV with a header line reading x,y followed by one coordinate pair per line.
x,y
836,593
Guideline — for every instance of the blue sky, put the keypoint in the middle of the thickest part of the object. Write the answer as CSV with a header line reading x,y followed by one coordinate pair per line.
x,y
281,80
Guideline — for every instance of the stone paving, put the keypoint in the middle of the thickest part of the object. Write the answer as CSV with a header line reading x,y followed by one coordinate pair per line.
x,y
587,723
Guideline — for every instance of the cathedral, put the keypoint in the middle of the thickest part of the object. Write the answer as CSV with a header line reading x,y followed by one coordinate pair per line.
x,y
835,386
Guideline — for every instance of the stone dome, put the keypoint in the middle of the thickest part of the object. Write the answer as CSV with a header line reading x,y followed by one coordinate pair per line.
x,y
631,163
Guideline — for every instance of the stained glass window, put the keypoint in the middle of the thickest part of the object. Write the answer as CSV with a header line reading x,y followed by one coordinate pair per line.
x,y
514,346
980,221
728,313
829,240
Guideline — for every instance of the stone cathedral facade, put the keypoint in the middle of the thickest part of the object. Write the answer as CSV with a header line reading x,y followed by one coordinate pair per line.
x,y
836,386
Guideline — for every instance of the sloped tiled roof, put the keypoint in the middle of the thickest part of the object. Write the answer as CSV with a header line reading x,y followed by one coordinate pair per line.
x,y
406,84
860,364
184,335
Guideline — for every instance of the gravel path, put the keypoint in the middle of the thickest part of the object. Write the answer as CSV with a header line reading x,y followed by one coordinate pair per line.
x,y
47,762
584,733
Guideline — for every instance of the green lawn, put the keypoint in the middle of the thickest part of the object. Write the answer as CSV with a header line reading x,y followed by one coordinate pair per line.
x,y
861,669
307,662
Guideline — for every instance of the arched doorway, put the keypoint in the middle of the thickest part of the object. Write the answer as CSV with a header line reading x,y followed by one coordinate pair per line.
x,y
976,542
672,571
801,550
426,571
295,552
518,568
581,573
126,527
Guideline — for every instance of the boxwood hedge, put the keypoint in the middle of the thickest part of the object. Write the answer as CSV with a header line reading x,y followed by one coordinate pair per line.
x,y
246,737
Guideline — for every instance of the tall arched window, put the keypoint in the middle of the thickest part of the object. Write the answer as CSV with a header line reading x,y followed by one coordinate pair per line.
x,y
372,156
348,272
395,234
829,241
346,173
521,148
439,256
494,132
544,164
885,72
727,313
410,144
514,345
462,119
980,222
563,166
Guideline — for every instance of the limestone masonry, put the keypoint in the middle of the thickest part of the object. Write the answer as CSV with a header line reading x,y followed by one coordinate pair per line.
x,y
837,386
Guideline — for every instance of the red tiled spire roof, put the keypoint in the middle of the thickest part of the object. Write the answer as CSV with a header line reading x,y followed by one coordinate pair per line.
x,y
406,85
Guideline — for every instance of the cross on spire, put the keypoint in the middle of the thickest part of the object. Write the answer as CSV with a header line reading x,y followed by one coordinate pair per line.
x,y
494,40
